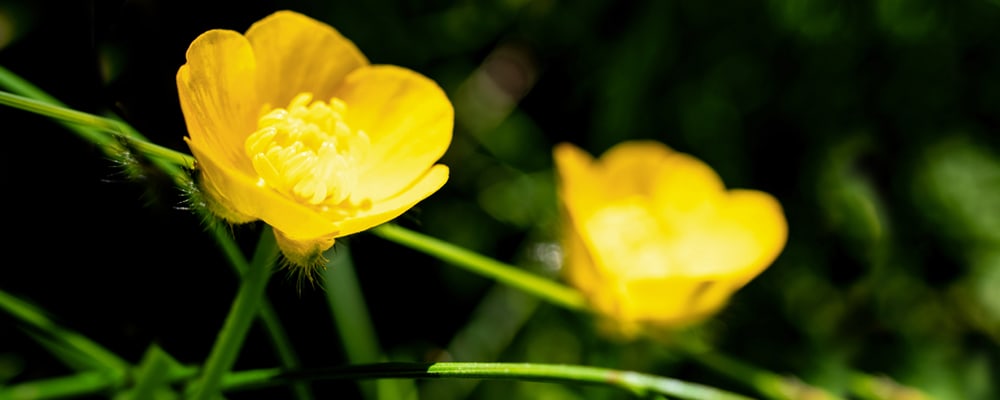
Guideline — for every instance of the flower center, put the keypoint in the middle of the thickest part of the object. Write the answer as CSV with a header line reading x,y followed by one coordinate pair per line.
x,y
308,151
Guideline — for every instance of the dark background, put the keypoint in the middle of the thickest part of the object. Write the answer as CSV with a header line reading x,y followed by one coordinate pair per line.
x,y
874,123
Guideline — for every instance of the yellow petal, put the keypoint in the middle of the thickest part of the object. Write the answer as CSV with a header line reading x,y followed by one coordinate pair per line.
x,y
625,170
685,188
579,266
307,251
655,238
630,168
762,220
675,300
217,97
395,206
736,241
627,241
580,188
408,119
218,203
571,162
601,288
297,54
242,194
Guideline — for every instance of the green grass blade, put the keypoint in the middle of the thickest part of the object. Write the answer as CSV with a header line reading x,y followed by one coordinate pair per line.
x,y
497,319
357,333
15,84
36,319
639,384
68,355
96,125
74,385
102,131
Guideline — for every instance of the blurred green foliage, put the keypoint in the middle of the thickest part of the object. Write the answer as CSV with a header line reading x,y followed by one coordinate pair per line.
x,y
875,123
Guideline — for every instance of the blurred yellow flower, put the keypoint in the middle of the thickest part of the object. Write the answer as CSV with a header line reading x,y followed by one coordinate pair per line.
x,y
291,125
654,239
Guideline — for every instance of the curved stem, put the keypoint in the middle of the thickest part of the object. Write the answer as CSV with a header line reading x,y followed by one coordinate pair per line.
x,y
766,383
11,81
227,345
66,115
636,383
505,273
100,126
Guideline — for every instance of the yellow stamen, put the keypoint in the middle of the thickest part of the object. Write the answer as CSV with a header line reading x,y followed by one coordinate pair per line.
x,y
308,152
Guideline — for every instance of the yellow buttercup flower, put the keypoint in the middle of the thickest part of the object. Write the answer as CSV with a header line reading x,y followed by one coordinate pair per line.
x,y
653,238
291,125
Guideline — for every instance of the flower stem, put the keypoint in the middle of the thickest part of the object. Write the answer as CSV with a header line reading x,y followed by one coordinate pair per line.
x,y
96,130
505,273
66,115
230,340
282,344
636,383
767,383
11,81
639,384
92,128
764,382
100,127
154,150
